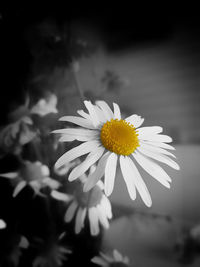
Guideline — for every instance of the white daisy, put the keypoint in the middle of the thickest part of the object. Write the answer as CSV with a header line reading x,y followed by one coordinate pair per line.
x,y
106,138
105,260
93,204
34,174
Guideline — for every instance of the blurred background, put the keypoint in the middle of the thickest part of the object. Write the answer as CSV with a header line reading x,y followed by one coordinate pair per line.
x,y
146,61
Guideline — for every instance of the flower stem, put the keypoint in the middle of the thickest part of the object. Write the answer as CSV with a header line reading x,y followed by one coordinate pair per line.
x,y
75,67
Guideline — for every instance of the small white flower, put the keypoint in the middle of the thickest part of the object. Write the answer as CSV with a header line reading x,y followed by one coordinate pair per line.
x,y
108,138
94,204
108,261
34,174
45,106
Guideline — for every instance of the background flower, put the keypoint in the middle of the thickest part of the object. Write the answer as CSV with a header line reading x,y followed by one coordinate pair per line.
x,y
94,205
34,174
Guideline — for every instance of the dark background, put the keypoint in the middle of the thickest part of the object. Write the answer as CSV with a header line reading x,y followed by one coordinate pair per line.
x,y
120,26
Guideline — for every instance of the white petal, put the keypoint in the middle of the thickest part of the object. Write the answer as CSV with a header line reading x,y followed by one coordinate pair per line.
x,y
69,138
100,114
77,131
128,177
133,177
100,184
2,224
158,144
117,256
156,149
110,172
97,174
76,152
45,170
79,121
153,169
108,258
102,217
93,220
135,120
10,175
79,222
86,164
83,216
117,113
92,112
71,211
84,114
61,196
143,131
52,183
162,158
105,203
19,187
99,261
156,138
106,109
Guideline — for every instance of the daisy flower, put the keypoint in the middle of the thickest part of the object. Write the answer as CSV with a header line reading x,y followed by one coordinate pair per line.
x,y
93,204
108,138
105,260
34,174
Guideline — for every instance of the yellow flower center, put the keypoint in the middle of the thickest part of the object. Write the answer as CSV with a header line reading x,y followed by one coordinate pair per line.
x,y
119,137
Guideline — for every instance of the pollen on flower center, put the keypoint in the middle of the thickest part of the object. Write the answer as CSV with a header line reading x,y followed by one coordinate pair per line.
x,y
119,137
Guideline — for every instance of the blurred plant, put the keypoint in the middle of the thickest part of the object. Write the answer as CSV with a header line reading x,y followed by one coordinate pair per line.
x,y
51,253
188,244
13,250
111,81
21,129
116,260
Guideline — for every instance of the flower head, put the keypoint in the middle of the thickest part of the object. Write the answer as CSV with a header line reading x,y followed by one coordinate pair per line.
x,y
34,174
116,259
93,204
108,138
